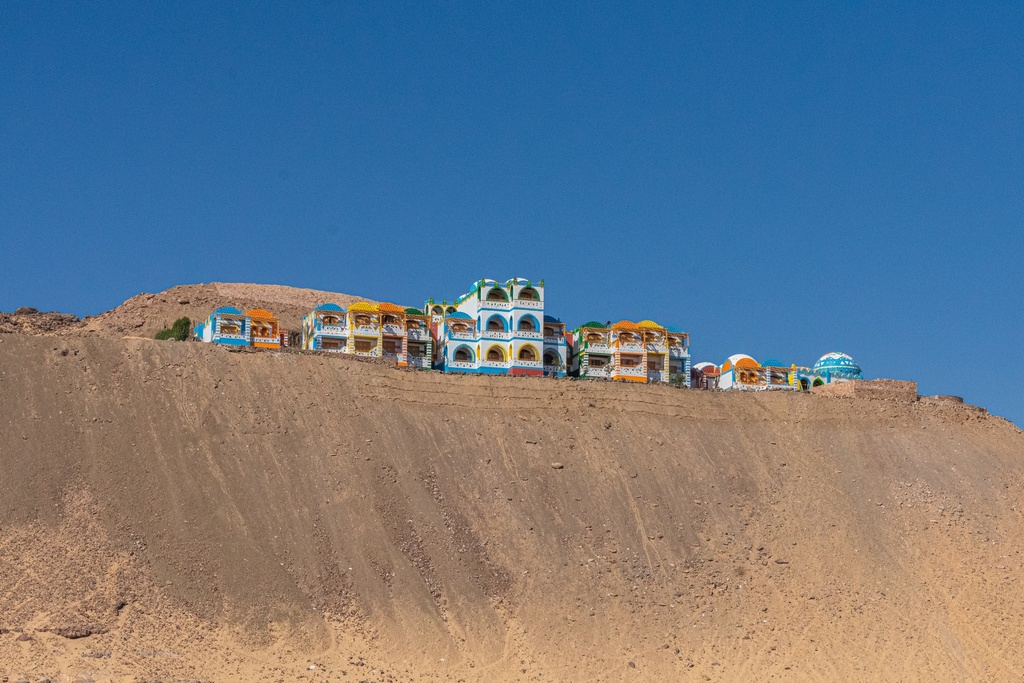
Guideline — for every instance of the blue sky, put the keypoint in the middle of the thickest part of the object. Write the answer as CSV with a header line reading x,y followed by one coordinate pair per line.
x,y
782,180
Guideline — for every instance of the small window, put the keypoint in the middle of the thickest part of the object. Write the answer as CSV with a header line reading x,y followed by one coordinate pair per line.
x,y
364,345
550,358
527,325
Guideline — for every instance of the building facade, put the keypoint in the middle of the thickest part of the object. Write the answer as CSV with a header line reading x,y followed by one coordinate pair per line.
x,y
226,325
631,352
498,328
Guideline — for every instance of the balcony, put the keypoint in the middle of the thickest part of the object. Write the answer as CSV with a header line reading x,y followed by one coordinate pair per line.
x,y
524,334
554,341
469,336
224,335
599,347
494,364
656,347
333,330
551,370
419,334
678,351
598,372
396,357
393,329
528,364
461,365
367,330
419,362
656,376
495,334
629,347
266,340
372,353
528,303
631,372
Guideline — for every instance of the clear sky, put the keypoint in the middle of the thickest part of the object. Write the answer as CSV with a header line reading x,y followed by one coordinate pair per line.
x,y
781,180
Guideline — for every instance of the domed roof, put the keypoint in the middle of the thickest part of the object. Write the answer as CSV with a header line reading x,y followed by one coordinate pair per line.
x,y
330,307
649,325
625,325
836,362
228,310
704,366
259,313
388,307
363,306
594,324
739,360
460,315
773,363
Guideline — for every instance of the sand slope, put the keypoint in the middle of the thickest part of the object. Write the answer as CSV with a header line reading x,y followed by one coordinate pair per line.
x,y
176,511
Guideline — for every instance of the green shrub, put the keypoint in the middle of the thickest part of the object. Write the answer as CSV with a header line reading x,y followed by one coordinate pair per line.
x,y
178,331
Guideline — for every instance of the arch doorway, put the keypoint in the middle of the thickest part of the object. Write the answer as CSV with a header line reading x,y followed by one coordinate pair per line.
x,y
527,353
495,353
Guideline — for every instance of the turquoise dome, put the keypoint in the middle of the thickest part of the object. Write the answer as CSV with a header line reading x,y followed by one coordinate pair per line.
x,y
837,363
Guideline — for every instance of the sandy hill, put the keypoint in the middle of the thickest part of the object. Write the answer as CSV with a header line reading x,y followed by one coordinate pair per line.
x,y
146,314
179,512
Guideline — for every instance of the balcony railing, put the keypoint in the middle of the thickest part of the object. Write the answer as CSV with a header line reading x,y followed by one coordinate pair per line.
x,y
393,329
225,335
419,334
397,357
336,330
372,353
527,303
495,306
631,372
494,363
369,330
629,347
678,351
655,376
462,335
551,369
554,341
461,365
419,362
598,372
527,334
654,347
519,363
495,334
599,347
266,340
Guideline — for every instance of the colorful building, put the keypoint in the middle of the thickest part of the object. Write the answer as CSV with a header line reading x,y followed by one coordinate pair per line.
x,y
264,329
498,328
741,372
381,330
226,325
631,352
325,328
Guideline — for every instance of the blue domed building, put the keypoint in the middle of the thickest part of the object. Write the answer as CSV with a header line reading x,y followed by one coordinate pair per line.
x,y
832,367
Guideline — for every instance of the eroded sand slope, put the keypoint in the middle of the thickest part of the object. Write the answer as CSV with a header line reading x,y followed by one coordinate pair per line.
x,y
176,511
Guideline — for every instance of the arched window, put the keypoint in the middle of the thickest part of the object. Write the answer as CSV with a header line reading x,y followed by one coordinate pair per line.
x,y
437,310
495,324
594,338
449,310
390,320
362,320
463,355
495,353
529,294
527,353
550,358
497,294
229,328
818,382
527,324
460,327
549,332
330,320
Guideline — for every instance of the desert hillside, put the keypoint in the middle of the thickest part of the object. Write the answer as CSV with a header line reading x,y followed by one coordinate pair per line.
x,y
144,315
179,512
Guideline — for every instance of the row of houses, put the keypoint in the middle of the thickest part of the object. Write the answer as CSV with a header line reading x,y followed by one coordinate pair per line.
x,y
501,328
741,372
494,328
